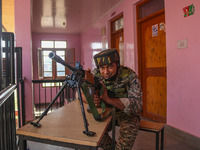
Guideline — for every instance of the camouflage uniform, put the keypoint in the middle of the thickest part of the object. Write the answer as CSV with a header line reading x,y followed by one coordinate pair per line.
x,y
126,85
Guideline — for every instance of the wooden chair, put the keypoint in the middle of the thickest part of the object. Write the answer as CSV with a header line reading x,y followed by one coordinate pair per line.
x,y
155,127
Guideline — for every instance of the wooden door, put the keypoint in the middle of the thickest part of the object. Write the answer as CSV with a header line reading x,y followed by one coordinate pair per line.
x,y
117,42
70,58
117,35
153,67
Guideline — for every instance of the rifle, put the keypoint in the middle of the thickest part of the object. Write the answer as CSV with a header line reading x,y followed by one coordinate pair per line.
x,y
78,79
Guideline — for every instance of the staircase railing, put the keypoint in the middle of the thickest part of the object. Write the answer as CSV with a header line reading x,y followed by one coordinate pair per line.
x,y
45,90
7,88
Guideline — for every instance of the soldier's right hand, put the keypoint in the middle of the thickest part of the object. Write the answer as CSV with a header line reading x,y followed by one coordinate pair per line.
x,y
97,100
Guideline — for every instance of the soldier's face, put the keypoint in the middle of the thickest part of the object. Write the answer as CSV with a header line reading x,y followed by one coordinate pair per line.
x,y
108,71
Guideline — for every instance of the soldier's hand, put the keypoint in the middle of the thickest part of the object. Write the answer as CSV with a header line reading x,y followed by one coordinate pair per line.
x,y
97,100
105,96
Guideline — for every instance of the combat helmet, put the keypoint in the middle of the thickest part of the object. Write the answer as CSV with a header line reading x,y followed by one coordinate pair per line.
x,y
107,57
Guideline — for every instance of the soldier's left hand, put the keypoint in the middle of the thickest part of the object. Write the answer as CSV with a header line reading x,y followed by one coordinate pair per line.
x,y
105,96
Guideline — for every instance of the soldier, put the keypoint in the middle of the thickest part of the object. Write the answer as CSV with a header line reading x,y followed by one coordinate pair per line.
x,y
123,91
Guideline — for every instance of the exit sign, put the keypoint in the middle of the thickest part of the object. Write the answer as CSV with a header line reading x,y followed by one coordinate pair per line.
x,y
189,10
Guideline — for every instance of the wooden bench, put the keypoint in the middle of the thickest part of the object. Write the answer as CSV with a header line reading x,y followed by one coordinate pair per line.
x,y
155,127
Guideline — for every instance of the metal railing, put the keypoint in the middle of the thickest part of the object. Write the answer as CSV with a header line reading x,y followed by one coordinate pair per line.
x,y
8,87
20,88
11,92
7,118
44,92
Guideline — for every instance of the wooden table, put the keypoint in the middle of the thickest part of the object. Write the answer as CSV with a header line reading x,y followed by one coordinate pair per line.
x,y
64,127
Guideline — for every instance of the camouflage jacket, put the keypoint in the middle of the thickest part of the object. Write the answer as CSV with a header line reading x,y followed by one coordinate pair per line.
x,y
126,87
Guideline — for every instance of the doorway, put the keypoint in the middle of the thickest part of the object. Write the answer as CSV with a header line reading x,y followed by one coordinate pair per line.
x,y
117,36
152,63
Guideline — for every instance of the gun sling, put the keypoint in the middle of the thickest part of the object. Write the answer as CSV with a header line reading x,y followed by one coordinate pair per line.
x,y
97,116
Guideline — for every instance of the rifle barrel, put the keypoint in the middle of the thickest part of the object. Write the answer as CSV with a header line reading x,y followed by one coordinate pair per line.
x,y
57,58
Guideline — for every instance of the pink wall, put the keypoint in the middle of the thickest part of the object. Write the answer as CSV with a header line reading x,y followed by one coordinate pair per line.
x,y
73,41
23,39
183,70
93,34
182,64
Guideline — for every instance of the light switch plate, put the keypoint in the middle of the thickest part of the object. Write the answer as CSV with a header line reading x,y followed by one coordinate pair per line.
x,y
182,44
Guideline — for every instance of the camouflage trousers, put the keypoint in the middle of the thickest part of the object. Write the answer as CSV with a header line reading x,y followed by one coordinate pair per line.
x,y
129,127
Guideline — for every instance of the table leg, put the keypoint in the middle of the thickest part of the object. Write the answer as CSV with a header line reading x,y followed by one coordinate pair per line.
x,y
157,140
22,143
113,129
162,139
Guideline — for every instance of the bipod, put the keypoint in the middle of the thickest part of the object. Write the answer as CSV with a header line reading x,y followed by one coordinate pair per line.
x,y
87,132
37,124
72,83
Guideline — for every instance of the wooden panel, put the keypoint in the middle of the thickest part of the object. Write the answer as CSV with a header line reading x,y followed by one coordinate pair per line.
x,y
156,95
150,125
70,59
155,47
153,67
117,38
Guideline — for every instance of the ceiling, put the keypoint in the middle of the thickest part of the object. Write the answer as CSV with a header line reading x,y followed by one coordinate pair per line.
x,y
67,16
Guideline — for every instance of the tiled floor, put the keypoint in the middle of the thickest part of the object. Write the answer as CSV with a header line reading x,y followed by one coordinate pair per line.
x,y
144,141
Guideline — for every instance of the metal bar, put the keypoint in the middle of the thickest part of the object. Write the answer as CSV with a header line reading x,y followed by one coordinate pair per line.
x,y
113,128
7,62
2,144
57,92
73,94
5,93
23,102
45,95
12,122
51,95
157,140
162,139
22,146
58,59
7,126
45,81
12,57
39,98
18,51
4,126
82,109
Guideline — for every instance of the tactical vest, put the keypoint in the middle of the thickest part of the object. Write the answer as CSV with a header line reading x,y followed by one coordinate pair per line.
x,y
118,88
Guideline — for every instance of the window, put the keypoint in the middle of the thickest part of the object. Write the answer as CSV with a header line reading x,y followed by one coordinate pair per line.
x,y
48,68
117,35
117,23
147,8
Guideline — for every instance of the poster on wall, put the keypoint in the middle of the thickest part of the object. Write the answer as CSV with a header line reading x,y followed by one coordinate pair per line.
x,y
189,10
155,30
